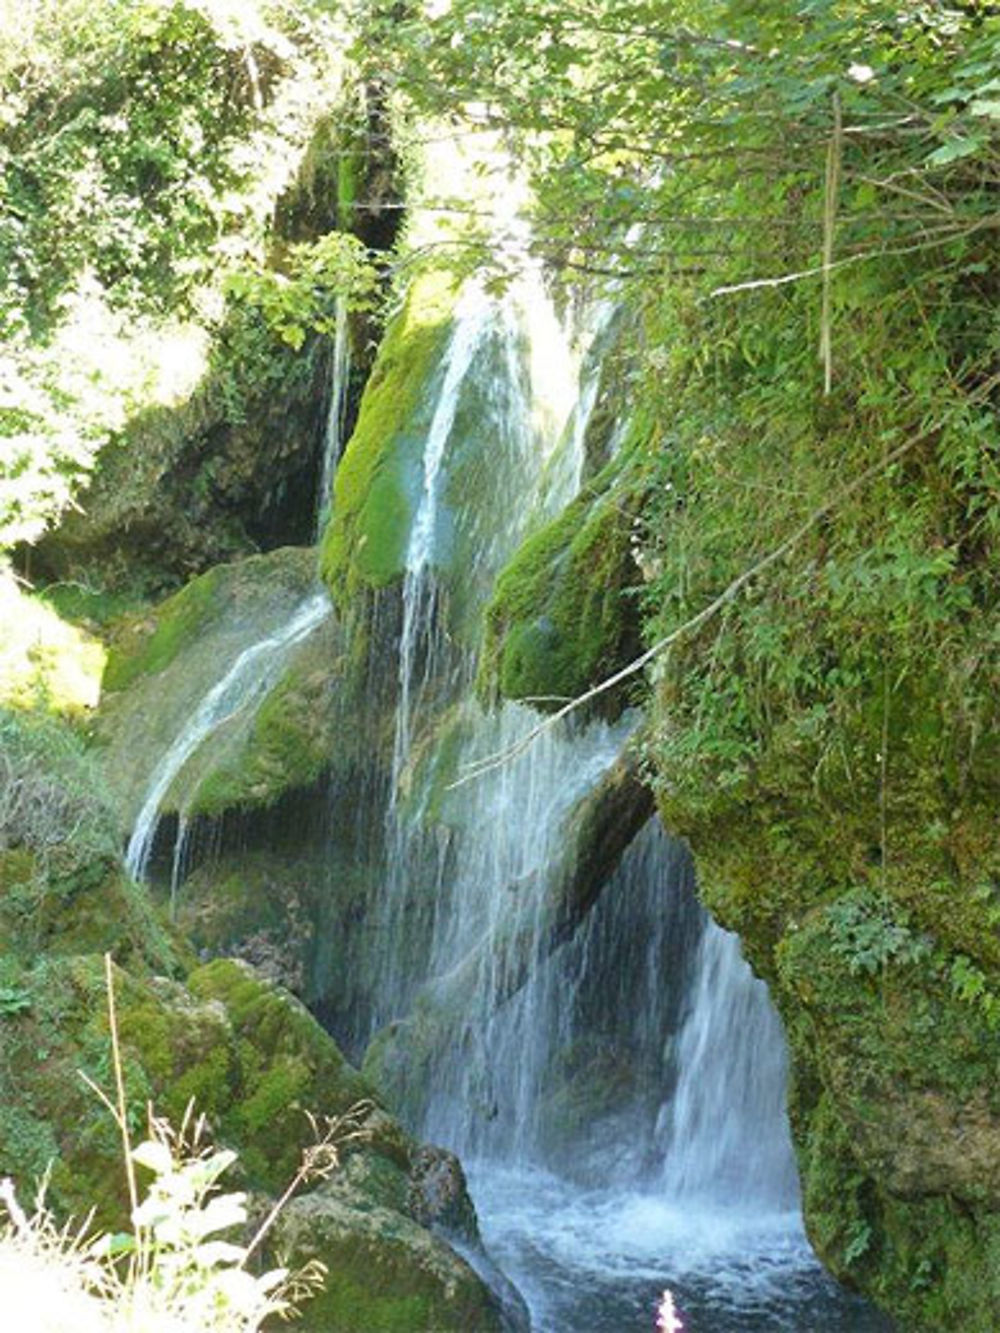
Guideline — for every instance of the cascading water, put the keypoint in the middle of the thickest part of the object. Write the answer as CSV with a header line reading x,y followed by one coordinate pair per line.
x,y
249,676
336,416
724,1125
490,378
616,1079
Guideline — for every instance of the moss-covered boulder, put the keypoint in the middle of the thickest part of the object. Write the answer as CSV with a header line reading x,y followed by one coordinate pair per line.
x,y
284,1062
164,663
385,1272
563,614
896,1103
254,1061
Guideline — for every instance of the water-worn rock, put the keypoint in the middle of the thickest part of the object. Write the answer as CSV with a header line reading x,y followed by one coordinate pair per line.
x,y
386,1273
163,663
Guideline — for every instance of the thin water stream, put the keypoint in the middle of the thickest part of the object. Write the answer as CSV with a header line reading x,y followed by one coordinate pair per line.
x,y
246,679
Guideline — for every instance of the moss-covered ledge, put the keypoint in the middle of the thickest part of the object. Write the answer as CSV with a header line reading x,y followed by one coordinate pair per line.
x,y
164,662
380,475
896,1108
563,615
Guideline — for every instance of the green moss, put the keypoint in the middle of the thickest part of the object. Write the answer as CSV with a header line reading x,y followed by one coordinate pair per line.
x,y
287,1064
291,741
385,1273
561,617
147,645
930,1260
379,478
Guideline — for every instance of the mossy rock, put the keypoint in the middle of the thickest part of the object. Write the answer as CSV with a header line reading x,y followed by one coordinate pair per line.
x,y
913,1069
288,743
247,1053
164,663
562,615
286,1064
385,1273
380,476
149,641
929,1259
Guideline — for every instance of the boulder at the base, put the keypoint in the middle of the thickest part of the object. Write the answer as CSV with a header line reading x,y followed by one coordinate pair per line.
x,y
385,1272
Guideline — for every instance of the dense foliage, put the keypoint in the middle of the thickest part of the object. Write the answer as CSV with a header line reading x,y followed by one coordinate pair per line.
x,y
798,205
142,150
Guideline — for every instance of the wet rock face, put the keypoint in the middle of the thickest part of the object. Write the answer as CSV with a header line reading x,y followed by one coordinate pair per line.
x,y
438,1195
386,1272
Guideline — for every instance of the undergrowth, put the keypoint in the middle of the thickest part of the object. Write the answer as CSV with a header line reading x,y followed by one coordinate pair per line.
x,y
186,1262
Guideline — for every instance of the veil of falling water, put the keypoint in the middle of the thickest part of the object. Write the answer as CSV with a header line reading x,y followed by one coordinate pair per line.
x,y
618,1089
637,1065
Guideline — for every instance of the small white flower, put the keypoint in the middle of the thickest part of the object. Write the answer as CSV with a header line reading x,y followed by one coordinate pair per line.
x,y
667,1318
860,73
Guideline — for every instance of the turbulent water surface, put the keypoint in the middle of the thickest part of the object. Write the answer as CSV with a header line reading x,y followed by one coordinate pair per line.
x,y
596,1261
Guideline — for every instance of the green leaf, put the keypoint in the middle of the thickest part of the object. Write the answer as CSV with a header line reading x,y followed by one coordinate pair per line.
x,y
953,150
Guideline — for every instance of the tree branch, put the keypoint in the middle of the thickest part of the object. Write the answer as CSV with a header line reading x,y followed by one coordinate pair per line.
x,y
497,760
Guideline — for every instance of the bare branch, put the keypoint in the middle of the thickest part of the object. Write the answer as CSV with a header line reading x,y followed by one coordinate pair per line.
x,y
497,760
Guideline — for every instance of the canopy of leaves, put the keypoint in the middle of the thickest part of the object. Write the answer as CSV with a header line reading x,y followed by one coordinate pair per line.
x,y
142,148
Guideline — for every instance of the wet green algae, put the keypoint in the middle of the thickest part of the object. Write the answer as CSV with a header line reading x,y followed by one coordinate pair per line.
x,y
563,615
379,478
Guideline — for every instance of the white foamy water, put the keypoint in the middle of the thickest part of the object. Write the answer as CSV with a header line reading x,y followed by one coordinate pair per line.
x,y
598,1260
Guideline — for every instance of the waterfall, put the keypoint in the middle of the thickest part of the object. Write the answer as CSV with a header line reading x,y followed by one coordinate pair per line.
x,y
472,320
248,678
724,1122
464,917
336,416
616,1080
494,389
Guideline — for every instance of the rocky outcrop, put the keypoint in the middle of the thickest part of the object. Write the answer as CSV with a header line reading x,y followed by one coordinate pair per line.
x,y
563,615
387,1273
163,662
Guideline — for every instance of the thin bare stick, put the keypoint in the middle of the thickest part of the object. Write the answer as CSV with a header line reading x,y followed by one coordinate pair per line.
x,y
833,160
101,1094
941,237
317,1161
116,1055
490,762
